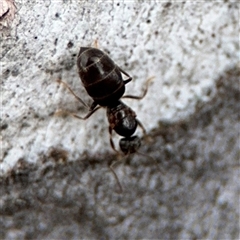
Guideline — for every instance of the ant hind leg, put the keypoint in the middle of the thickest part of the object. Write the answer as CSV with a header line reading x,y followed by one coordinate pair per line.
x,y
62,112
71,91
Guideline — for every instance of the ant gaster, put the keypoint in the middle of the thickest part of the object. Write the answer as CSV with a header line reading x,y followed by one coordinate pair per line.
x,y
103,81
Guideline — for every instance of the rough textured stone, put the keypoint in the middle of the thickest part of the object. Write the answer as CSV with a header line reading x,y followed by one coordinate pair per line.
x,y
55,180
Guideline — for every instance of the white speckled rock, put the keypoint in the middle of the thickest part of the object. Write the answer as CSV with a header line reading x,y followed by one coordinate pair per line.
x,y
190,112
186,46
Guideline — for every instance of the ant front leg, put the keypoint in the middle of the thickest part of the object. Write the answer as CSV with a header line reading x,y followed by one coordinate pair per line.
x,y
116,177
144,91
114,162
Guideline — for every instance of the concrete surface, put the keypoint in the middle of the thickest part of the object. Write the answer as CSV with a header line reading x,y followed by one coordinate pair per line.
x,y
56,183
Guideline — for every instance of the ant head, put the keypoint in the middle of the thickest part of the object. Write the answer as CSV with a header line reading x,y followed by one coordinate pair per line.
x,y
122,119
130,144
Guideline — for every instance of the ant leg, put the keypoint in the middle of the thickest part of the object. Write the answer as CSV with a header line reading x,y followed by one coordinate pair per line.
x,y
87,116
93,105
78,98
153,159
129,78
144,91
142,127
76,116
145,136
111,165
111,140
116,177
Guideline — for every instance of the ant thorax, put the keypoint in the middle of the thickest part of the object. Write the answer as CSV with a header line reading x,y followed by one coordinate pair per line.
x,y
122,119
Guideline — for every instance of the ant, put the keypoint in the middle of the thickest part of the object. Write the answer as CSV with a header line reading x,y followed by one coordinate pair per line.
x,y
104,83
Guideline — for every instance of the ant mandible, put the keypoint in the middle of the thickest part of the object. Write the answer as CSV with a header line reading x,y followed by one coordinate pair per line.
x,y
104,83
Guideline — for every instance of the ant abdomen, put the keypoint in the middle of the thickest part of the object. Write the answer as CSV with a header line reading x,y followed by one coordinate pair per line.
x,y
100,76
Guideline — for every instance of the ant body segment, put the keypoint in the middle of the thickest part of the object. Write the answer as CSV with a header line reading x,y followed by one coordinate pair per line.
x,y
103,81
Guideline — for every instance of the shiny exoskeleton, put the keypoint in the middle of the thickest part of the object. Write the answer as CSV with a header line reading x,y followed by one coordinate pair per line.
x,y
100,76
130,144
122,119
103,81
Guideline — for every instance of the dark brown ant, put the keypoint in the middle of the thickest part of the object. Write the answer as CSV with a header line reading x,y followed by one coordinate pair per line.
x,y
100,76
103,81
